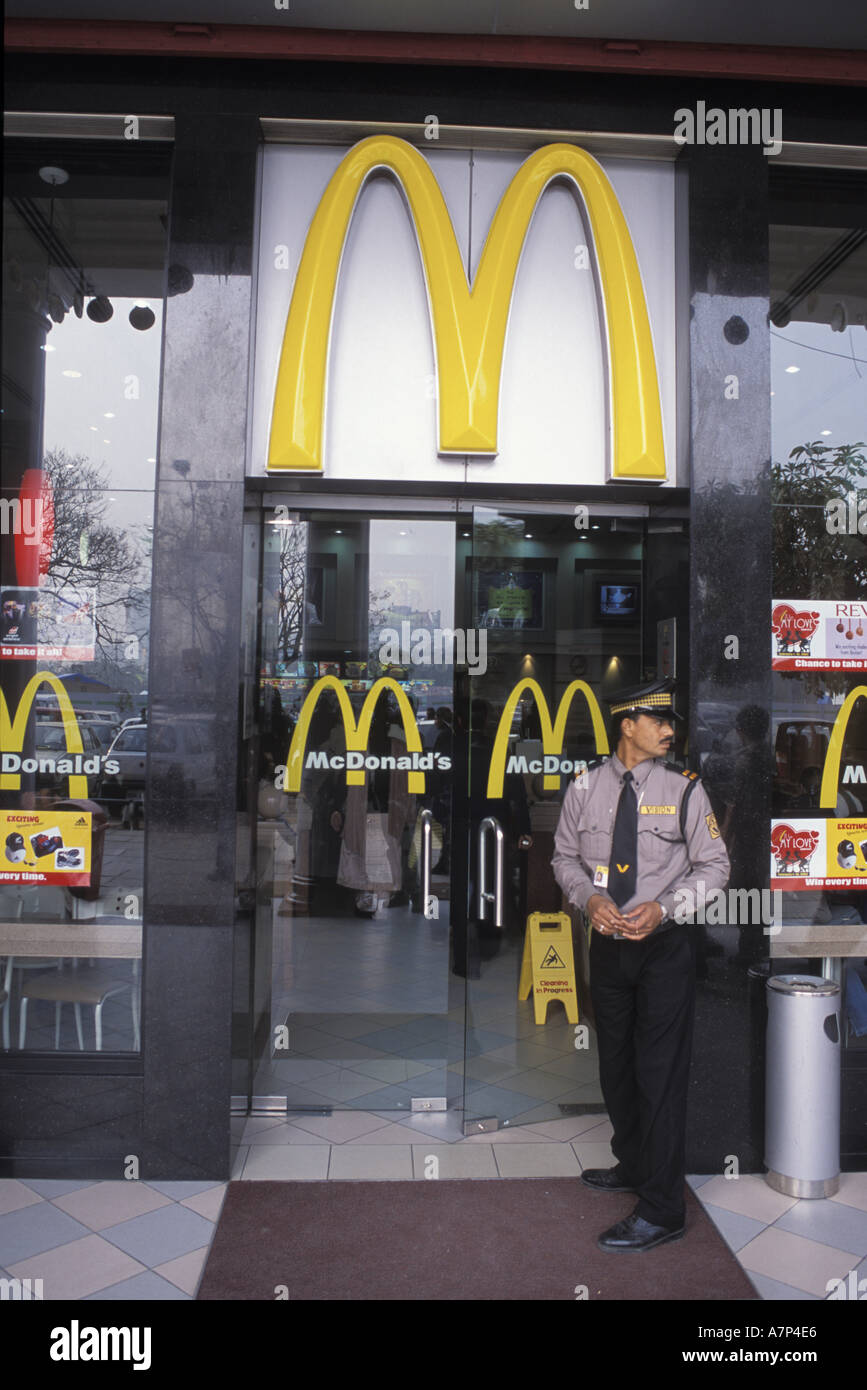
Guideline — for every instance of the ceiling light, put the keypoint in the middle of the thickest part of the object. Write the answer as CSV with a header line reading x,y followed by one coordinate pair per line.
x,y
793,369
826,431
108,415
142,318
70,372
48,347
100,309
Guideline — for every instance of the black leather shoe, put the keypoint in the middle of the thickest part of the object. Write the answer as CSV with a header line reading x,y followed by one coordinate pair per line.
x,y
637,1234
605,1180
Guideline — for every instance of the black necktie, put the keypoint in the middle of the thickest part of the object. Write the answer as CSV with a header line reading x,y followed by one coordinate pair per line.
x,y
624,845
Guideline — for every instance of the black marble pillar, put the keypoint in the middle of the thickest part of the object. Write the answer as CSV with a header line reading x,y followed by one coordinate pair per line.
x,y
194,673
723,264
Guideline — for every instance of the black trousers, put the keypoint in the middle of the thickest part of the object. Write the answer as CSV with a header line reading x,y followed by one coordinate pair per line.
x,y
643,996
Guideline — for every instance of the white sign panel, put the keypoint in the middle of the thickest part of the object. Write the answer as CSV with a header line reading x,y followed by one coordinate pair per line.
x,y
381,393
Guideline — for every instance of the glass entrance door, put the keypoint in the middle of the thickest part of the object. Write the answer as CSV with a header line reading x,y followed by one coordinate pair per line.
x,y
567,603
354,731
423,690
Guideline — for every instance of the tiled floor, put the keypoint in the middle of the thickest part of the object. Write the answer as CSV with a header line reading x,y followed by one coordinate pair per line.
x,y
108,1240
144,1241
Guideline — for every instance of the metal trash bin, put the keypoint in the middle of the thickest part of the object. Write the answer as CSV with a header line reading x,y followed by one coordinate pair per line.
x,y
802,1086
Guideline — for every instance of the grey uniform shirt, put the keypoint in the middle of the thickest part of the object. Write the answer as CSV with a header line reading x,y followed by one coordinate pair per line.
x,y
666,862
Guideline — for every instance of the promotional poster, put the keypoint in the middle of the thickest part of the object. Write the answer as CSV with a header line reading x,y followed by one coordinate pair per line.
x,y
819,635
46,847
818,854
48,625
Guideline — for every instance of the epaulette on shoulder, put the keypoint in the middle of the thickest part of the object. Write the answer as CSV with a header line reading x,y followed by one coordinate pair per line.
x,y
681,770
588,764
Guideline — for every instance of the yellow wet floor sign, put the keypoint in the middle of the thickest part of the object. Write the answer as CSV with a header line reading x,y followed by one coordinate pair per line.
x,y
548,966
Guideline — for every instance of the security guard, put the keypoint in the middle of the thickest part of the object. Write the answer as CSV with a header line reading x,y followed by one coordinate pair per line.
x,y
633,831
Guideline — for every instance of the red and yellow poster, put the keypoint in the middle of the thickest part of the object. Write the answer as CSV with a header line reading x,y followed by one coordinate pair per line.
x,y
46,847
819,635
819,854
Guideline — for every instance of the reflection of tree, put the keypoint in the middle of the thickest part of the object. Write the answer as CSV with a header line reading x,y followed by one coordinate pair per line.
x,y
498,536
811,561
379,604
87,552
290,597
193,545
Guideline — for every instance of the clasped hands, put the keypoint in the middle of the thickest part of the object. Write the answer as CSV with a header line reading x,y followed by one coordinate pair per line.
x,y
606,918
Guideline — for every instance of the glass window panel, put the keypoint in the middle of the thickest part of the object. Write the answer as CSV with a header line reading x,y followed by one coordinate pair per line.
x,y
84,284
819,428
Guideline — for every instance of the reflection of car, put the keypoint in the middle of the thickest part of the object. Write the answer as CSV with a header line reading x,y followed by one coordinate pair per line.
x,y
800,747
50,742
180,752
103,723
104,731
129,750
182,755
801,743
98,716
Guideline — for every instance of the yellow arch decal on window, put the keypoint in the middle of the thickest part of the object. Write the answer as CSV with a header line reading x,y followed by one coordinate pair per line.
x,y
12,731
358,734
469,324
831,773
552,734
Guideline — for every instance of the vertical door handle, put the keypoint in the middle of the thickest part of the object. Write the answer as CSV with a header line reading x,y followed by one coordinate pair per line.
x,y
489,826
426,821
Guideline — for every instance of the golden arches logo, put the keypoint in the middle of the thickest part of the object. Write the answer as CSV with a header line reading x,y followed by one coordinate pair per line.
x,y
552,734
469,323
831,773
12,731
358,734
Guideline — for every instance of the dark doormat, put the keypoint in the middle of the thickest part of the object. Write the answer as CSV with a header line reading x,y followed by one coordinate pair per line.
x,y
528,1238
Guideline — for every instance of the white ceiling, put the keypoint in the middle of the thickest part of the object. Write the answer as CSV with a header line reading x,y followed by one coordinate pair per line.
x,y
776,23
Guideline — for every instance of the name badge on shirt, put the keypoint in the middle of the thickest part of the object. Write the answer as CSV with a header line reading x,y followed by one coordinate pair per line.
x,y
600,878
658,810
